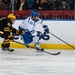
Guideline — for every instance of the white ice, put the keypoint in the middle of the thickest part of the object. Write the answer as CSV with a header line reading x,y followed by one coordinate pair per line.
x,y
30,62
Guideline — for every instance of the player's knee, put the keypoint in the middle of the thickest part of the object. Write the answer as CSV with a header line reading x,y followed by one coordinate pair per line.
x,y
35,39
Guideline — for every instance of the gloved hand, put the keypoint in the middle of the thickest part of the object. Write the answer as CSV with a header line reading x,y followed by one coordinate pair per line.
x,y
21,32
11,37
46,29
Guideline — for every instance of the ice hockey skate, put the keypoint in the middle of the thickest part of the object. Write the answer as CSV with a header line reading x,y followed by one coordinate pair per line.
x,y
39,49
7,49
4,48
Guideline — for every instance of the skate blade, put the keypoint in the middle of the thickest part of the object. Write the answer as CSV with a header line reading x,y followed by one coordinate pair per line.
x,y
8,52
40,50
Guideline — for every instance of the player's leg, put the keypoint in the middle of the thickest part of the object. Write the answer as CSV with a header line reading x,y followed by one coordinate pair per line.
x,y
6,42
27,38
37,43
3,47
6,45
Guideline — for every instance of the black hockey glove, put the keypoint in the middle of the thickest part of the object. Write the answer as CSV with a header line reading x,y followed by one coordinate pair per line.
x,y
21,32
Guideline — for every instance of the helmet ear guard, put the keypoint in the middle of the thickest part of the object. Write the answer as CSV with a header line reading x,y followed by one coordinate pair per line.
x,y
12,16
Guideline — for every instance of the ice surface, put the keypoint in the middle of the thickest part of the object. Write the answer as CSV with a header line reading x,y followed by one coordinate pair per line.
x,y
30,62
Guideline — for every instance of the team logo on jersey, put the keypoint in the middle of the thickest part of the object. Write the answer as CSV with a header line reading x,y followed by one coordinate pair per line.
x,y
31,22
9,24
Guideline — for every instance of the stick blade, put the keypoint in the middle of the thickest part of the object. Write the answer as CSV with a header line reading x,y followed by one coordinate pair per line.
x,y
53,53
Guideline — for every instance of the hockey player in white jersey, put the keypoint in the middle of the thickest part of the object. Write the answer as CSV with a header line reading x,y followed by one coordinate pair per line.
x,y
31,35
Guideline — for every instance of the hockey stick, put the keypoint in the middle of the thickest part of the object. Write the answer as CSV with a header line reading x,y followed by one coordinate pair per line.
x,y
62,40
28,46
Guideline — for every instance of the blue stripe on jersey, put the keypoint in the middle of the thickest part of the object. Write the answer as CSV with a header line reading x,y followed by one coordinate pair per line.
x,y
32,31
41,21
28,20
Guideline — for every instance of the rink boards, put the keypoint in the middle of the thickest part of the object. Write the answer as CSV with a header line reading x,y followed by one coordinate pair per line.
x,y
47,46
65,30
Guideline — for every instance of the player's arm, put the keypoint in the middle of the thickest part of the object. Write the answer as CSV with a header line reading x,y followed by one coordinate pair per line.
x,y
1,32
17,32
46,29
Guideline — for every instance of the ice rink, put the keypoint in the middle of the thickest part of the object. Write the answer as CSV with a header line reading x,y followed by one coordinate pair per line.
x,y
30,62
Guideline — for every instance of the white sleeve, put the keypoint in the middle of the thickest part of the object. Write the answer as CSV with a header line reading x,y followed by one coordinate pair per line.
x,y
41,22
27,24
22,25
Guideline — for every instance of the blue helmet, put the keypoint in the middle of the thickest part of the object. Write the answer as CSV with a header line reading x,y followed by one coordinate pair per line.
x,y
34,14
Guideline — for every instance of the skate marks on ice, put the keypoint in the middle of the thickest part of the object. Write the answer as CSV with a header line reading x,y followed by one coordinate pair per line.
x,y
30,62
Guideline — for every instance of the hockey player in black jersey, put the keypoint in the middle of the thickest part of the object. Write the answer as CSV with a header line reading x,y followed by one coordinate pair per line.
x,y
5,31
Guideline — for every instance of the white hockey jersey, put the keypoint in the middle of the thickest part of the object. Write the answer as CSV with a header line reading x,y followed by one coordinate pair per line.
x,y
29,25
